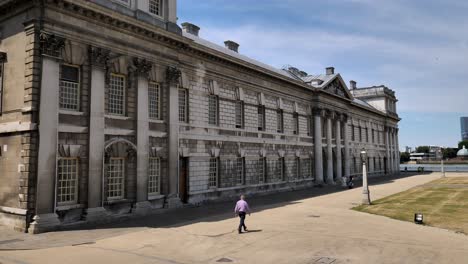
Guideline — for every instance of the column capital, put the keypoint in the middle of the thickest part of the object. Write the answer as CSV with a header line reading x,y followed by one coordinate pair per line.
x,y
316,111
173,74
98,56
51,45
330,114
142,66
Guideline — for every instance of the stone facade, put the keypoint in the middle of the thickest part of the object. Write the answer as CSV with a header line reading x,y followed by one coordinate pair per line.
x,y
109,110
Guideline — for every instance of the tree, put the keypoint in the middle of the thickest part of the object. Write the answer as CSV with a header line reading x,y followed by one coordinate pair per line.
x,y
422,149
463,143
449,153
404,157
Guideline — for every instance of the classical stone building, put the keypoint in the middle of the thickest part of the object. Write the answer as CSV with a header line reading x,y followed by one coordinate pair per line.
x,y
110,109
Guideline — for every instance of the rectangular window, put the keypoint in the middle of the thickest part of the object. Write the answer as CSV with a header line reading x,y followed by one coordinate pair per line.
x,y
116,178
262,170
282,168
67,181
116,99
279,121
154,176
261,118
213,110
309,126
69,85
213,173
360,134
306,168
353,135
297,166
183,105
240,171
373,136
239,114
154,100
155,7
295,123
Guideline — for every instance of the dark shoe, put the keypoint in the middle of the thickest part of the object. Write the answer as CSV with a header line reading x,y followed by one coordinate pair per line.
x,y
246,230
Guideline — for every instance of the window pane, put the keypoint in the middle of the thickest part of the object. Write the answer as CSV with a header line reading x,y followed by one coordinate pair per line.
x,y
183,105
69,87
155,7
67,181
213,173
116,178
213,110
240,170
154,176
116,97
154,97
261,118
239,114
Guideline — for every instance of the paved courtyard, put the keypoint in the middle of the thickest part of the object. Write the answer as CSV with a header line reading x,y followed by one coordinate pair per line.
x,y
311,226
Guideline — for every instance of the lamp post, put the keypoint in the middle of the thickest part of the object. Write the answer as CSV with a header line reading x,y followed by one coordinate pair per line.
x,y
365,187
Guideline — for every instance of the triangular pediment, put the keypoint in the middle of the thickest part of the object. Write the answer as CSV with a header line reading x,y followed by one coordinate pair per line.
x,y
338,87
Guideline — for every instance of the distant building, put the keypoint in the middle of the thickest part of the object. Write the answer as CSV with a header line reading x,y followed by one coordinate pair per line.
x,y
464,128
422,156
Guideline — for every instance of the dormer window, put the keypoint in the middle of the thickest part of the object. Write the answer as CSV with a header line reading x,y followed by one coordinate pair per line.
x,y
155,7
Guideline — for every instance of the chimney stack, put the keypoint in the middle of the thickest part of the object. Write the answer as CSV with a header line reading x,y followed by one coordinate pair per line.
x,y
330,70
232,45
352,85
190,28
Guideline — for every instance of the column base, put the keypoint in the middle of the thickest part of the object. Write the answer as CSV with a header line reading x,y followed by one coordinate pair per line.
x,y
174,202
142,208
96,214
331,182
319,183
44,223
343,181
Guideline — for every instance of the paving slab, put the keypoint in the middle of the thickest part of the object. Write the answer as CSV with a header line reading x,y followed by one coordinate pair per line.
x,y
312,227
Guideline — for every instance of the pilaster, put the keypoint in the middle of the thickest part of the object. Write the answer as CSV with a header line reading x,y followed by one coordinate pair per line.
x,y
317,112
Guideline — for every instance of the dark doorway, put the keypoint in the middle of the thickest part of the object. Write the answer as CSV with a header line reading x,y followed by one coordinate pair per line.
x,y
183,179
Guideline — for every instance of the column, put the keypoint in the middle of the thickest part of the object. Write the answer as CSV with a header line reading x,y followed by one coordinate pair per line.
x,y
390,146
173,76
142,69
329,149
318,146
338,149
98,59
346,148
45,218
387,147
397,152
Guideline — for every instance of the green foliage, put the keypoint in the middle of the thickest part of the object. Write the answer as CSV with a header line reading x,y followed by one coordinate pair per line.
x,y
422,149
463,143
404,157
449,153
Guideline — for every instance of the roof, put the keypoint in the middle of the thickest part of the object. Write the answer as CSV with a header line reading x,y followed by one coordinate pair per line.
x,y
234,54
324,79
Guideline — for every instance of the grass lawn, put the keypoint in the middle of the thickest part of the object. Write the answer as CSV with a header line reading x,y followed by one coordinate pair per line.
x,y
444,203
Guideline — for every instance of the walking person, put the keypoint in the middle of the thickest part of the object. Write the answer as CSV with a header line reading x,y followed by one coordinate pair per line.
x,y
242,208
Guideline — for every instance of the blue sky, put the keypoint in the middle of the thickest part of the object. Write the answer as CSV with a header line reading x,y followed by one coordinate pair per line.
x,y
418,48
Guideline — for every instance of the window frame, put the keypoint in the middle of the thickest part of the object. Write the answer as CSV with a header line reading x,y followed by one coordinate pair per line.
x,y
160,8
78,83
240,172
124,101
282,161
296,123
213,110
157,90
185,105
77,178
122,184
263,165
261,113
214,173
239,114
279,121
156,178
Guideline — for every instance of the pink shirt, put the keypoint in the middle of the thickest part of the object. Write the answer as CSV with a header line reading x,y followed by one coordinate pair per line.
x,y
242,206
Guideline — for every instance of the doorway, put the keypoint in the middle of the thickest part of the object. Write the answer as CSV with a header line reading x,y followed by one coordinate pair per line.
x,y
183,179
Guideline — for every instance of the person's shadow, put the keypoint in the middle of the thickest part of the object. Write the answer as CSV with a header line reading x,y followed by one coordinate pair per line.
x,y
254,231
